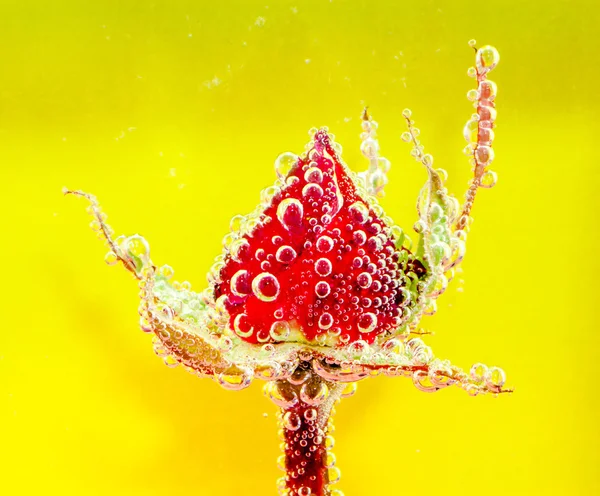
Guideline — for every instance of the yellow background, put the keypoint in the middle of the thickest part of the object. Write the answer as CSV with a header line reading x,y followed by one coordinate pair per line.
x,y
172,114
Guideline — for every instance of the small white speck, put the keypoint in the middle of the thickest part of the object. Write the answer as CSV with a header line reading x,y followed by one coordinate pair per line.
x,y
347,119
161,154
265,415
212,83
294,10
307,61
190,35
181,186
260,21
172,172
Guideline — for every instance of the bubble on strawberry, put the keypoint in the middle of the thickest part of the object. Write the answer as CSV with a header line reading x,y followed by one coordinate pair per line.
x,y
286,254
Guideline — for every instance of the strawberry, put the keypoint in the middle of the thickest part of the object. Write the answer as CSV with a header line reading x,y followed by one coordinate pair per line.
x,y
320,265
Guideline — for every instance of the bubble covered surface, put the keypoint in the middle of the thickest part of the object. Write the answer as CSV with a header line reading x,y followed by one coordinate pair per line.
x,y
317,222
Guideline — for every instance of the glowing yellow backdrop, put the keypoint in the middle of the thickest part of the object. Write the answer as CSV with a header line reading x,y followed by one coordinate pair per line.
x,y
172,114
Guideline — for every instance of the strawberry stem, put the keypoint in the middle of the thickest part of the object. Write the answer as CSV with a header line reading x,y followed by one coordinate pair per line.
x,y
306,401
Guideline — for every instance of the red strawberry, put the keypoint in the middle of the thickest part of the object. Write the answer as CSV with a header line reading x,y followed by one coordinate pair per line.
x,y
320,265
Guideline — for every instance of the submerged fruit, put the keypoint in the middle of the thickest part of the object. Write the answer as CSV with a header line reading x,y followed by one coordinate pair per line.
x,y
320,258
318,275
318,289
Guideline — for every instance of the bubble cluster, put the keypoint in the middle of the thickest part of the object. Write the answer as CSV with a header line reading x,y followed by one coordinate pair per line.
x,y
322,249
478,130
375,177
306,426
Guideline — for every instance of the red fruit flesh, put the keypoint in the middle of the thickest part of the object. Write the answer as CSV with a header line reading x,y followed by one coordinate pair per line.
x,y
319,260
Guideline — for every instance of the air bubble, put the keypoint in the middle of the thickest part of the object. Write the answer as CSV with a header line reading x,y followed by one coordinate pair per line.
x,y
364,280
324,244
292,421
137,246
479,372
488,90
470,133
325,321
323,267
374,244
239,249
280,330
310,414
313,175
489,179
241,326
486,113
314,395
265,286
334,475
497,377
369,148
285,254
367,322
240,283
236,222
484,155
359,237
166,271
235,382
284,164
472,95
145,324
290,212
111,258
322,289
485,136
312,190
359,212
487,58
349,390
